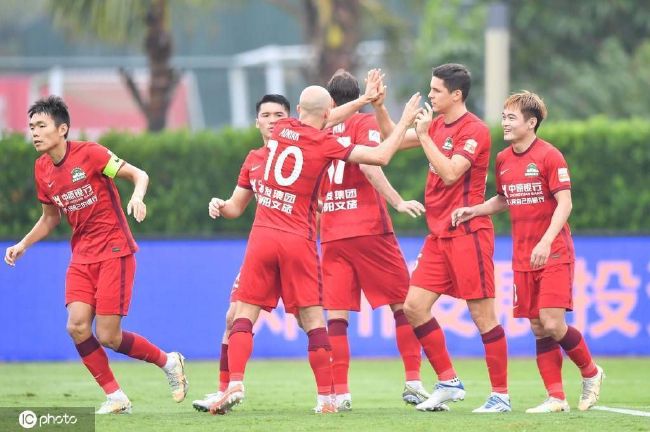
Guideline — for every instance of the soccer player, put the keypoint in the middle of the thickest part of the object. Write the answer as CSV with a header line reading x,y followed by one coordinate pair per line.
x,y
533,183
270,108
281,258
454,260
76,178
359,248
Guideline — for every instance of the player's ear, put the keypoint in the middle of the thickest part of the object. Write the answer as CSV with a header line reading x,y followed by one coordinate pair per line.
x,y
257,123
63,129
532,122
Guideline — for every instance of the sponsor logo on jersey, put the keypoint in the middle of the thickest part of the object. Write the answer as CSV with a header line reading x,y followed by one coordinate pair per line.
x,y
374,136
531,170
448,145
563,174
77,174
470,146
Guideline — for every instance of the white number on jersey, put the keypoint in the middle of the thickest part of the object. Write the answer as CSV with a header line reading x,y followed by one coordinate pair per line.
x,y
335,171
277,171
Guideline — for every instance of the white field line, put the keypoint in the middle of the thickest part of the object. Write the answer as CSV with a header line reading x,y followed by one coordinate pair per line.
x,y
622,411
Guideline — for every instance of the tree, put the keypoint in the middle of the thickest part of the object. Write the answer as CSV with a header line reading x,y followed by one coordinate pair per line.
x,y
119,20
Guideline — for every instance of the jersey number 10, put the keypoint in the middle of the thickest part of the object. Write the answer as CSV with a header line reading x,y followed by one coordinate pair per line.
x,y
279,163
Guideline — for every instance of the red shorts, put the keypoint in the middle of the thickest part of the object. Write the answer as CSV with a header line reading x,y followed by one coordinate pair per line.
x,y
280,264
550,287
105,285
372,263
234,291
461,267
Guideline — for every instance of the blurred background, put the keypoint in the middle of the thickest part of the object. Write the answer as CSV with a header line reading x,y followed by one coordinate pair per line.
x,y
171,86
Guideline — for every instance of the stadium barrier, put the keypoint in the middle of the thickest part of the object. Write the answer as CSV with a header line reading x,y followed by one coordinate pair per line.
x,y
182,291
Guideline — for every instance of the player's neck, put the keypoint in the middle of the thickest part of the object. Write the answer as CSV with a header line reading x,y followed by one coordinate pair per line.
x,y
523,144
313,121
57,153
454,113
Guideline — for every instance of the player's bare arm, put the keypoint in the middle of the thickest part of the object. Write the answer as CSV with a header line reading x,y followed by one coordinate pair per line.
x,y
378,180
140,179
449,170
386,124
383,153
50,218
374,89
496,204
233,207
542,250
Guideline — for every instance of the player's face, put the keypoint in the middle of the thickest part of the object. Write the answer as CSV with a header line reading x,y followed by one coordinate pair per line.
x,y
270,113
515,127
45,134
441,98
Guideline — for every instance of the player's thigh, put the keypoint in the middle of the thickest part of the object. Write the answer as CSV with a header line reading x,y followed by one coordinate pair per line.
x,y
381,270
300,272
431,271
115,285
471,262
81,283
556,286
340,288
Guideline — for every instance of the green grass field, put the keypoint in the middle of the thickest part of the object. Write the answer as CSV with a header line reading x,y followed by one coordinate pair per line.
x,y
280,395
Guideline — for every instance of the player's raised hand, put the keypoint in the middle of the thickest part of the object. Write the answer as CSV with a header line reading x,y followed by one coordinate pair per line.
x,y
214,208
461,215
411,109
374,85
412,207
540,254
138,208
423,120
13,253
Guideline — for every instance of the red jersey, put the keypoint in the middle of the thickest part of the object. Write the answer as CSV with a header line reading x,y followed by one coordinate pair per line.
x,y
351,205
80,187
528,181
252,169
469,137
298,157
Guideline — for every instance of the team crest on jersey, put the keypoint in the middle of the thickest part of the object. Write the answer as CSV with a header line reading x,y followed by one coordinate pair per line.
x,y
77,174
531,170
448,145
563,174
470,146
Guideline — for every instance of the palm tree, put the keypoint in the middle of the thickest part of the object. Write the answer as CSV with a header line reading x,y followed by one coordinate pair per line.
x,y
118,21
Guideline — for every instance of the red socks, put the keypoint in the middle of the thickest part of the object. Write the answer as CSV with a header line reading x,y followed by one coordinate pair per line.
x,y
433,341
338,338
408,345
574,345
224,374
137,347
94,358
496,357
549,363
319,351
240,347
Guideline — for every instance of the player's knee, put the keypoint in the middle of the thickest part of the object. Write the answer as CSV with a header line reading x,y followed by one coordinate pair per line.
x,y
109,339
554,328
412,311
230,317
78,329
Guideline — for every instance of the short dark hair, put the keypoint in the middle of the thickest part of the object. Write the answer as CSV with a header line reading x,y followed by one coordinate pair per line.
x,y
343,87
273,98
455,77
54,107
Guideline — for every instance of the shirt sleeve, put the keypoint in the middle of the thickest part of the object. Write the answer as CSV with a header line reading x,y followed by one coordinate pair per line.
x,y
497,176
557,172
334,147
244,179
368,132
104,160
40,189
473,140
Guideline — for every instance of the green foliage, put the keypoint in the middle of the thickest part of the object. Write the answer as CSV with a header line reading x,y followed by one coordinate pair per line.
x,y
608,162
